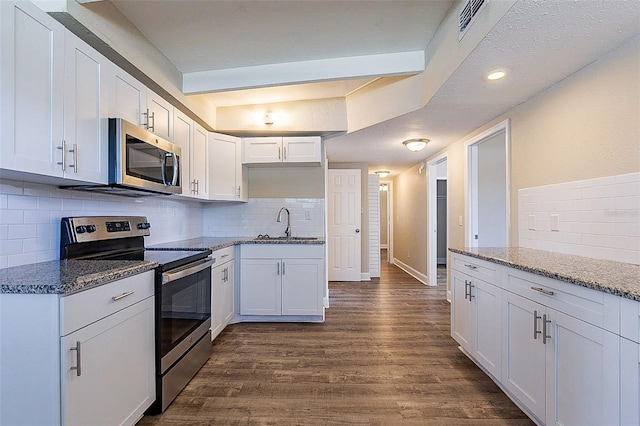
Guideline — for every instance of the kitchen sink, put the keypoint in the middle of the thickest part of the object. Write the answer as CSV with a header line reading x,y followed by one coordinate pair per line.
x,y
266,237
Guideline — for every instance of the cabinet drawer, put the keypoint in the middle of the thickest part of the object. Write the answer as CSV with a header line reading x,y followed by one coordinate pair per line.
x,y
86,307
592,306
223,255
476,268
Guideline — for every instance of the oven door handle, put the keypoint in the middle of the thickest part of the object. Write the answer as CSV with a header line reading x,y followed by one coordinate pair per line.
x,y
181,273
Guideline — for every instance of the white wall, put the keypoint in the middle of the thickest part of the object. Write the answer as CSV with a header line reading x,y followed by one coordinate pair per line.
x,y
30,218
597,218
492,192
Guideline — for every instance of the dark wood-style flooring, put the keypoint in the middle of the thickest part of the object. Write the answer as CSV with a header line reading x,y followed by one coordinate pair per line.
x,y
384,356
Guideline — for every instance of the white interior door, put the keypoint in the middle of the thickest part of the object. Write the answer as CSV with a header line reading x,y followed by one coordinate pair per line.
x,y
344,208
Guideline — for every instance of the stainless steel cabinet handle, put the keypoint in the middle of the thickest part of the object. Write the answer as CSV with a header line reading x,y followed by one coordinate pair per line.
x,y
278,269
545,333
75,158
152,117
471,296
63,161
283,268
238,191
471,266
543,291
285,152
279,150
466,289
536,317
78,366
146,123
122,296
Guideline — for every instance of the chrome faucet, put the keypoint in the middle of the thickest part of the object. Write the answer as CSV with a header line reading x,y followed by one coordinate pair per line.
x,y
287,231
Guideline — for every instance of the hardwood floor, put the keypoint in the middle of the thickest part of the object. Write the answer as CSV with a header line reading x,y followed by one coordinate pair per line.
x,y
384,356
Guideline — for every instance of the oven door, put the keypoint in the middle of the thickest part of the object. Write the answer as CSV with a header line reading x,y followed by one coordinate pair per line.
x,y
140,159
184,310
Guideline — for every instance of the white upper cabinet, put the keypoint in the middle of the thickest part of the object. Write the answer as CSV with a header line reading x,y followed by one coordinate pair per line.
x,y
54,106
200,161
133,101
86,120
276,149
227,178
32,89
128,98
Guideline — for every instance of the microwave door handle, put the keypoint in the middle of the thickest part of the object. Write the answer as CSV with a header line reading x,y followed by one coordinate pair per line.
x,y
163,168
176,169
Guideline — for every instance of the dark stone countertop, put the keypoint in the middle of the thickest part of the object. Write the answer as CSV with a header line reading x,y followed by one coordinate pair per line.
x,y
67,276
618,278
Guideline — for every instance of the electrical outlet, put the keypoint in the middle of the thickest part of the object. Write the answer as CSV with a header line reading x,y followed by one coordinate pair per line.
x,y
459,220
555,222
307,215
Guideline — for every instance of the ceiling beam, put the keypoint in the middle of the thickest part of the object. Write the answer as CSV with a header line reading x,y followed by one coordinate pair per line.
x,y
304,72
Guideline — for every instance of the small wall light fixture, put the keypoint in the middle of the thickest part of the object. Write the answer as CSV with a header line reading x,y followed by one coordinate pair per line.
x,y
415,145
268,117
382,173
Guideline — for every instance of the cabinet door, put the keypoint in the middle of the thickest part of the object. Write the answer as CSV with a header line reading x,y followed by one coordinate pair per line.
x,y
128,98
229,293
224,166
116,383
301,149
217,300
86,130
160,116
200,161
629,382
488,326
32,57
260,287
583,382
461,311
262,150
302,286
523,358
182,136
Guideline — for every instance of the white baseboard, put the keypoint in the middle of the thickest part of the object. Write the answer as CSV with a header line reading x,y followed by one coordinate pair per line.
x,y
365,276
409,270
449,296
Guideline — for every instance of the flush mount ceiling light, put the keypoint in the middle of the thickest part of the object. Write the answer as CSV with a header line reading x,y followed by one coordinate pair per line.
x,y
496,75
415,145
382,173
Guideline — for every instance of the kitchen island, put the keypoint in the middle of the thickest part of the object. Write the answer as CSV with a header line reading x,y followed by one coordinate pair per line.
x,y
558,333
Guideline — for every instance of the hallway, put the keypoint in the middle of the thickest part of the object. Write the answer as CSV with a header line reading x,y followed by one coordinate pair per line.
x,y
384,356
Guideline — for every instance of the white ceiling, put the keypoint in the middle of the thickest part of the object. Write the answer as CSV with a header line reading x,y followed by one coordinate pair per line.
x,y
540,43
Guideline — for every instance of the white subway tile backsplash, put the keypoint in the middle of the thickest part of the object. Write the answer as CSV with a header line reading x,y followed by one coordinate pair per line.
x,y
22,202
598,218
22,231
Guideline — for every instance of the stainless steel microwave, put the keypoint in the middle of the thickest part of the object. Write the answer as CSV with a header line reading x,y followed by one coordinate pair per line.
x,y
140,163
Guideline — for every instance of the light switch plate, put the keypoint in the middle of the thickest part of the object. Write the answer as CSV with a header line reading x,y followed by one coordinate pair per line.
x,y
532,222
555,222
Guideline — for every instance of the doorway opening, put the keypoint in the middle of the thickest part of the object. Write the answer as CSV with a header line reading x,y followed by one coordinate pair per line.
x,y
384,222
487,184
437,237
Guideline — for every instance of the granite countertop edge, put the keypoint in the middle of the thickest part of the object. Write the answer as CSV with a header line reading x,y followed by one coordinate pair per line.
x,y
66,277
580,279
218,243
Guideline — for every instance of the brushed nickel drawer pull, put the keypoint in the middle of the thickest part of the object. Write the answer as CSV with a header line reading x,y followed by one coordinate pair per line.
x,y
122,296
224,255
543,291
471,266
545,333
536,317
78,366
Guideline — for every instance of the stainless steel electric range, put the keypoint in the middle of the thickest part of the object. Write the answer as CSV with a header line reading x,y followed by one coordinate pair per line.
x,y
182,292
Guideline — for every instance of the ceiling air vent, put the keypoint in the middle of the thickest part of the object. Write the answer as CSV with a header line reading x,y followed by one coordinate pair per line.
x,y
468,15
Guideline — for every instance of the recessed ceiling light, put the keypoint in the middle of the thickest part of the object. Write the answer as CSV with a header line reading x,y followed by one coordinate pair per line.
x,y
496,75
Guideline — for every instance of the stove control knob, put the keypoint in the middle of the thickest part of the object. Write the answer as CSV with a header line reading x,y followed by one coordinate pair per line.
x,y
144,225
81,229
91,228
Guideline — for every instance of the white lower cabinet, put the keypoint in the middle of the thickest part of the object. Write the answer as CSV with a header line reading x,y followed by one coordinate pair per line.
x,y
561,358
88,358
282,280
222,290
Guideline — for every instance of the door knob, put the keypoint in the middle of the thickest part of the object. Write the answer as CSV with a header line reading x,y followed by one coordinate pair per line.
x,y
357,231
